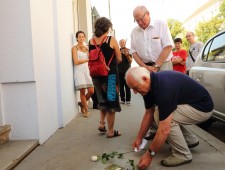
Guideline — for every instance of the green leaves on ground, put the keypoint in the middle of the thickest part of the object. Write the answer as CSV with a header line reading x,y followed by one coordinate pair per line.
x,y
106,156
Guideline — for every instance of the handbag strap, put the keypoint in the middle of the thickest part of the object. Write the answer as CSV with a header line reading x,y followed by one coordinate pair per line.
x,y
110,59
191,56
99,44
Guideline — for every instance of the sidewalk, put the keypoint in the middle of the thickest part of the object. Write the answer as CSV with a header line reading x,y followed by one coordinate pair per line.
x,y
71,148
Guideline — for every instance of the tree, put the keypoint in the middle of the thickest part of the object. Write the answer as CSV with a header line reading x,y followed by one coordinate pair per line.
x,y
222,14
177,31
176,28
222,10
207,29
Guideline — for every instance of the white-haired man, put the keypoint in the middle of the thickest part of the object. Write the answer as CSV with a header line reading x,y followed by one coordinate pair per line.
x,y
180,101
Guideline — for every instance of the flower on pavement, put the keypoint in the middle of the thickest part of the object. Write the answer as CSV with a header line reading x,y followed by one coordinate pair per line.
x,y
94,158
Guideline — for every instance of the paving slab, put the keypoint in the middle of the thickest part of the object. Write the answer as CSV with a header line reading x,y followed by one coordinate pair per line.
x,y
12,152
71,147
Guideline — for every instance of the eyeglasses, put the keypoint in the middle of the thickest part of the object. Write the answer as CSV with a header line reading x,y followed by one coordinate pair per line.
x,y
141,19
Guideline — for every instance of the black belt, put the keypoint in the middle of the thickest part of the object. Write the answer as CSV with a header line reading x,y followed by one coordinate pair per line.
x,y
150,63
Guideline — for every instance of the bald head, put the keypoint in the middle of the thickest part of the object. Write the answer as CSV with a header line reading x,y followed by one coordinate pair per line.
x,y
138,79
142,16
190,33
122,43
122,40
190,37
136,74
139,9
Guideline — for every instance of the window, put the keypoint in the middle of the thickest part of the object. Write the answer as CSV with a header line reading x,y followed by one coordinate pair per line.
x,y
206,51
215,49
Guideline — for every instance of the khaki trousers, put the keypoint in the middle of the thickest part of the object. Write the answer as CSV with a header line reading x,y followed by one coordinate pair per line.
x,y
180,136
167,65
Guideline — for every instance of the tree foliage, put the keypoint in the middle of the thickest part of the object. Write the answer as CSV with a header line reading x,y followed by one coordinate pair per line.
x,y
177,31
176,28
222,10
205,30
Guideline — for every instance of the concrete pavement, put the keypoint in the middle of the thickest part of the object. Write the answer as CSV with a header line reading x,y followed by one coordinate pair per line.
x,y
71,148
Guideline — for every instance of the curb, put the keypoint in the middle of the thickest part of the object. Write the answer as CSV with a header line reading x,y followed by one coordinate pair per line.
x,y
208,138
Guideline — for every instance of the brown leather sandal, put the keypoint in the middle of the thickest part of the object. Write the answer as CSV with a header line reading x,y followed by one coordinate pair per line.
x,y
102,129
116,133
81,107
86,114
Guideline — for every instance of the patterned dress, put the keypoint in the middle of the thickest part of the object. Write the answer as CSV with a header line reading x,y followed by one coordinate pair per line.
x,y
82,77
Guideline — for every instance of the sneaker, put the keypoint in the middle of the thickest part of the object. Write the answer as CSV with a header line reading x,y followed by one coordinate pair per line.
x,y
193,145
128,103
172,161
122,102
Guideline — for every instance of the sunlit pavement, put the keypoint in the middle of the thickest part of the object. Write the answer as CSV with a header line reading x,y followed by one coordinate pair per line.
x,y
71,148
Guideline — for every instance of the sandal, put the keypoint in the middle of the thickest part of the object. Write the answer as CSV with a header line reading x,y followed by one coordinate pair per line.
x,y
116,134
102,129
81,107
86,114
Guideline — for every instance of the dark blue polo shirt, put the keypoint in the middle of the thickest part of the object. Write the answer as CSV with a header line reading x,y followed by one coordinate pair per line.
x,y
172,88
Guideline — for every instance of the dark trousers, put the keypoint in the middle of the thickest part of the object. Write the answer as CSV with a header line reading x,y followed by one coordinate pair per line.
x,y
187,72
125,93
95,100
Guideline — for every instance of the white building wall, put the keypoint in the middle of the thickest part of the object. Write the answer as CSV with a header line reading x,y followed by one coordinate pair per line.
x,y
19,101
16,42
44,57
89,20
83,12
18,92
37,93
65,43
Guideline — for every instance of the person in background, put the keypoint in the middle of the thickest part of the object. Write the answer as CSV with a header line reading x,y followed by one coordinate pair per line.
x,y
83,81
106,88
179,56
125,93
180,101
151,45
194,50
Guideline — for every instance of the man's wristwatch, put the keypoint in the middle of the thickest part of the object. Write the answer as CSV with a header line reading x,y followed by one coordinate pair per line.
x,y
151,152
157,66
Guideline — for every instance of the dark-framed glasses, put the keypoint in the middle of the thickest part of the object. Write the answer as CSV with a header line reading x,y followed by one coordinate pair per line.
x,y
188,36
140,19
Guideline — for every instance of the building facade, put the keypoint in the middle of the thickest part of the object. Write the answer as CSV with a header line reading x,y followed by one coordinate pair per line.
x,y
37,94
204,13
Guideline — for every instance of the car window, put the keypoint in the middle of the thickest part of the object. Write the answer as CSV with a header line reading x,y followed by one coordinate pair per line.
x,y
206,51
215,49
